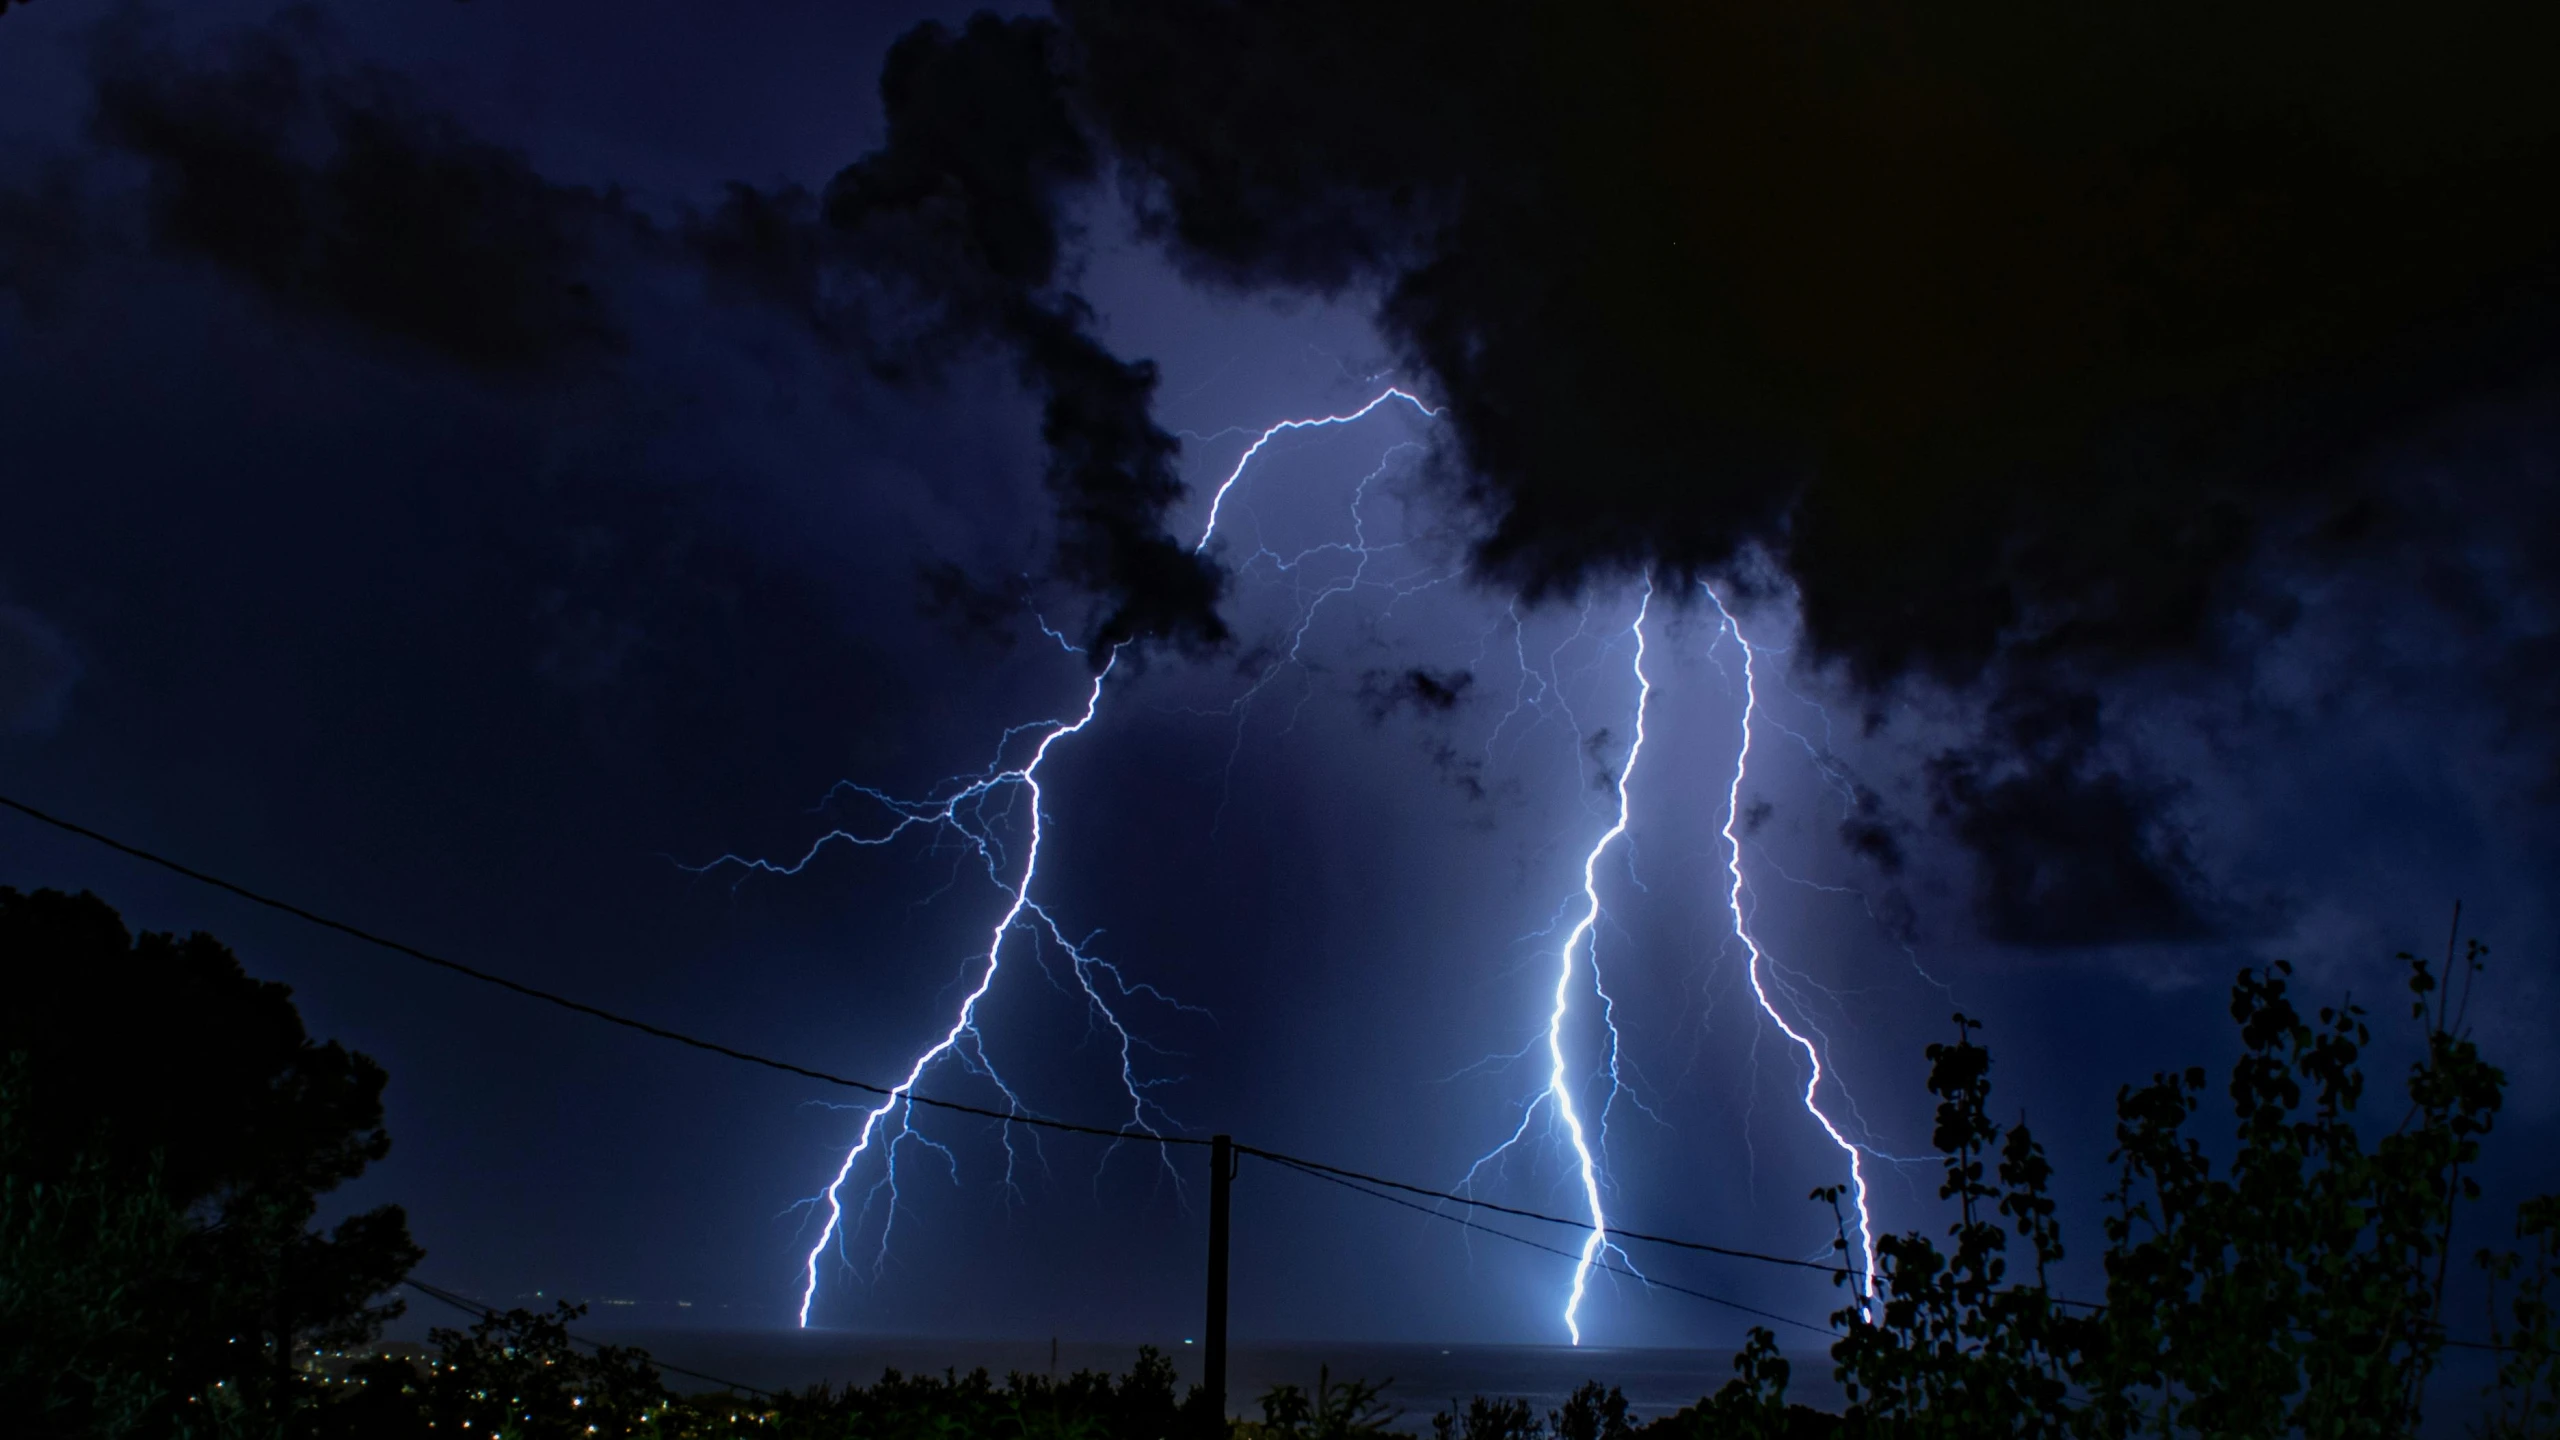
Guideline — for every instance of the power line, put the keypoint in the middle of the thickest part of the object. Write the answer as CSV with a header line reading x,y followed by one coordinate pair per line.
x,y
1337,1177
787,1067
484,1312
1332,1177
1352,1179
577,1006
1333,1171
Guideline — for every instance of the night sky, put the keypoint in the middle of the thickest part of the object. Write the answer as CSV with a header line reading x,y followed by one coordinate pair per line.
x,y
469,468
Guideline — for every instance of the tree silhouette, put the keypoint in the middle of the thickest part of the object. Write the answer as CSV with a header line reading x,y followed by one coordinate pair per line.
x,y
169,1130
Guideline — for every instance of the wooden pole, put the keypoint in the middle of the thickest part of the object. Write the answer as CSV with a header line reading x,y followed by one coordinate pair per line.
x,y
1213,1364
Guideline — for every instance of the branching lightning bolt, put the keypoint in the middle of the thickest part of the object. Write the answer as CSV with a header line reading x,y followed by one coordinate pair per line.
x,y
963,1030
1758,962
1581,943
1218,500
965,810
971,806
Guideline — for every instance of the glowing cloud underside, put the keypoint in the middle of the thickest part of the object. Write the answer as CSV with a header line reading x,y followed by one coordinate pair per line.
x,y
966,810
1758,961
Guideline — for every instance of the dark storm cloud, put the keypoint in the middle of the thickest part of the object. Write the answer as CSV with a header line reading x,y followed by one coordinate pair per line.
x,y
948,238
2011,332
1869,832
476,361
2486,562
44,231
983,611
326,187
1430,696
2525,678
329,190
1112,469
37,671
2000,325
1424,691
2072,851
765,245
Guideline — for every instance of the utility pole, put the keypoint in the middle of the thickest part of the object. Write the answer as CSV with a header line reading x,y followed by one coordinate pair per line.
x,y
1213,1364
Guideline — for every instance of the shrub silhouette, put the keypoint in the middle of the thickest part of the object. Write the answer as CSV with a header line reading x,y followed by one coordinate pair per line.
x,y
1348,1411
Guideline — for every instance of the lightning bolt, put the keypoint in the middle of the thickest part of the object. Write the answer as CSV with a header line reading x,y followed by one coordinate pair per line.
x,y
1582,944
971,807
968,809
1218,501
962,1038
1759,962
1313,596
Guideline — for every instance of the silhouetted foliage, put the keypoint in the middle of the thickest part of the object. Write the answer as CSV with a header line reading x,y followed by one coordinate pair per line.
x,y
1487,1418
2303,1288
2294,1290
1346,1411
81,1256
1592,1412
2298,1289
1947,1348
1751,1406
2526,1398
166,1126
1025,1407
170,1128
515,1374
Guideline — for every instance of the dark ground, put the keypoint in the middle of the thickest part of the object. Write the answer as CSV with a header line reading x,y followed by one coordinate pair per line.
x,y
1425,1377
